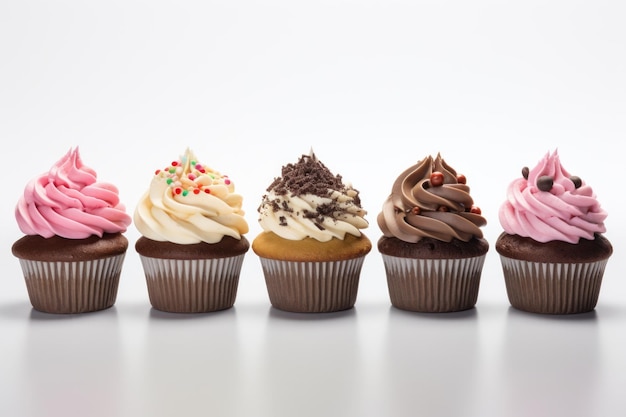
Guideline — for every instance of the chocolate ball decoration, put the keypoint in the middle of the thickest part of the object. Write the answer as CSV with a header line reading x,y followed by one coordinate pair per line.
x,y
545,183
525,172
577,181
436,179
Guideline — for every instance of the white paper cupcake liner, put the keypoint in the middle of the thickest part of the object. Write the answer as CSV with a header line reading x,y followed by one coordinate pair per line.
x,y
312,287
192,286
433,285
72,287
553,288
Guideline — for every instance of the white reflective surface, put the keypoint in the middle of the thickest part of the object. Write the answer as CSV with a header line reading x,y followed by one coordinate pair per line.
x,y
372,87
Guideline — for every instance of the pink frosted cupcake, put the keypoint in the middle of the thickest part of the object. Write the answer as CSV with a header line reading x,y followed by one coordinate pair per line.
x,y
192,245
432,245
552,250
73,250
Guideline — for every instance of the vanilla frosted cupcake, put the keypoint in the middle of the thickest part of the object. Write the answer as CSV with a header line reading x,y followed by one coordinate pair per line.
x,y
73,249
552,249
192,245
311,247
432,245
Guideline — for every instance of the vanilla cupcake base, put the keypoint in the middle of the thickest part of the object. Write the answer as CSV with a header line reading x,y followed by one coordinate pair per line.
x,y
433,285
312,287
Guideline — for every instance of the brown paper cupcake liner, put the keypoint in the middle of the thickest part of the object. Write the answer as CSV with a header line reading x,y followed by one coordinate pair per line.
x,y
72,287
312,287
192,286
433,285
553,288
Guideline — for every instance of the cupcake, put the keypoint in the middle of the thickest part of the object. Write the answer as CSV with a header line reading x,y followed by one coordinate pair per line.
x,y
432,246
311,248
73,249
552,249
192,245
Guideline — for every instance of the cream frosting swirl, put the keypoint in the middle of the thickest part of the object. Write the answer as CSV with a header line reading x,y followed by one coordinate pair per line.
x,y
69,202
188,202
309,201
429,200
547,204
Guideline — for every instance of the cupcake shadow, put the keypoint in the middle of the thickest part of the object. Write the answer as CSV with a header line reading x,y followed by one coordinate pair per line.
x,y
548,361
430,362
308,364
73,364
189,359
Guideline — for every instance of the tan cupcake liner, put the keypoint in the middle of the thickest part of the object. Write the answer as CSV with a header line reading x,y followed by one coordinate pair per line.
x,y
433,285
312,287
553,288
72,287
192,286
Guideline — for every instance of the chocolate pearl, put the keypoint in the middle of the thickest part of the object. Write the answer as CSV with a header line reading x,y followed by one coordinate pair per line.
x,y
525,172
577,181
545,183
436,179
416,210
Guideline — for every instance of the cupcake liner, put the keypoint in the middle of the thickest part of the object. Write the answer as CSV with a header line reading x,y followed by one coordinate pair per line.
x,y
433,285
553,288
72,287
192,285
312,287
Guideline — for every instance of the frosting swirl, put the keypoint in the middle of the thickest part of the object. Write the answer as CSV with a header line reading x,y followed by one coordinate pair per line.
x,y
547,204
69,202
309,201
430,200
188,202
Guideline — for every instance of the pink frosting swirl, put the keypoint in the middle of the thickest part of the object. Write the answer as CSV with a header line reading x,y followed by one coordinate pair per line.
x,y
67,201
547,204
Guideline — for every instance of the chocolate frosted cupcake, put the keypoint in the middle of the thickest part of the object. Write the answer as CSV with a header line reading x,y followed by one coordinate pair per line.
x,y
432,245
192,245
311,249
552,249
73,251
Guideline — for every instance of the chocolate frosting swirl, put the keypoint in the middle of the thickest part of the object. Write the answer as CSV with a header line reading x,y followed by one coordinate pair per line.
x,y
429,199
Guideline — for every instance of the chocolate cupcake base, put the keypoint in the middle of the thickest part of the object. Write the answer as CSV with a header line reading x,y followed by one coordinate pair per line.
x,y
553,288
72,287
433,285
192,285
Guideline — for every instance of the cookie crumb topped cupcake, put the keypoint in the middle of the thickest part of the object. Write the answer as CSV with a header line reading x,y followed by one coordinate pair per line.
x,y
552,249
432,246
73,249
311,248
192,245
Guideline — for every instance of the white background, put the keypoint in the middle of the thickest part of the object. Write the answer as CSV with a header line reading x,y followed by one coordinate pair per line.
x,y
371,87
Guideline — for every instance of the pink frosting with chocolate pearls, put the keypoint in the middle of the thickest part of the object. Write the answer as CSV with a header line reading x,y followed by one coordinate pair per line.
x,y
69,202
547,203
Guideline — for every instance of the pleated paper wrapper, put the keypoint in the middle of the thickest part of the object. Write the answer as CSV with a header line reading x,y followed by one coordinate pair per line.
x,y
433,285
192,286
312,287
72,287
553,288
